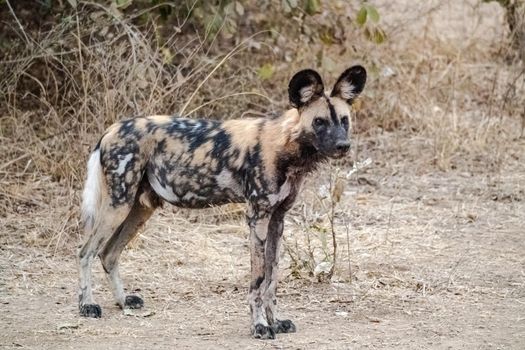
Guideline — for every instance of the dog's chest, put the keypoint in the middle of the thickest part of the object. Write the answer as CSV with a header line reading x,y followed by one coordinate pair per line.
x,y
288,190
281,194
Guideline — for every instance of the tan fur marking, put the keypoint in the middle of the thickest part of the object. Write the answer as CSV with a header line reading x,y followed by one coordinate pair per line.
x,y
173,145
317,109
161,119
110,135
200,155
140,123
277,136
243,133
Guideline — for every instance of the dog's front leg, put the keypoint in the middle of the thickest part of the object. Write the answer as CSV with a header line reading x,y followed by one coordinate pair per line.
x,y
258,222
265,239
273,243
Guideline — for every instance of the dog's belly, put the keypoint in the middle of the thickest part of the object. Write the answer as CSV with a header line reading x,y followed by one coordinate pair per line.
x,y
191,188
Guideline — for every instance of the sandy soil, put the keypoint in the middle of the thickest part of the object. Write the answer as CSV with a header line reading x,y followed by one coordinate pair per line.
x,y
437,262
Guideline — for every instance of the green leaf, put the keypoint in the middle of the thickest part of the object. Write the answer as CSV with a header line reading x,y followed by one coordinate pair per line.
x,y
372,13
361,16
326,38
313,7
378,36
266,71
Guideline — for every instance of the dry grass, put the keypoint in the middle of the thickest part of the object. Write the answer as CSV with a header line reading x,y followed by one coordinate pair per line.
x,y
452,99
434,223
69,84
453,95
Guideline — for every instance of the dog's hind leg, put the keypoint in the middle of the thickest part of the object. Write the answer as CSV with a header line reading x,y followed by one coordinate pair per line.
x,y
144,206
109,219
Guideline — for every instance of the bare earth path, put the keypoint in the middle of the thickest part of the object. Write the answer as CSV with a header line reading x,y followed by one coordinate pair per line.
x,y
437,258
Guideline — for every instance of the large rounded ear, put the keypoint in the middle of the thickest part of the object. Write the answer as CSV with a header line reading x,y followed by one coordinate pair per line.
x,y
350,84
305,87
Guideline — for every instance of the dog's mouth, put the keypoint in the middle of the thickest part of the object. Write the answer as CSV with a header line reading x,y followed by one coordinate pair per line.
x,y
331,153
338,154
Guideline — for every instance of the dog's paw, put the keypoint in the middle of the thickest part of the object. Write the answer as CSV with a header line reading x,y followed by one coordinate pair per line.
x,y
90,310
284,326
261,331
133,302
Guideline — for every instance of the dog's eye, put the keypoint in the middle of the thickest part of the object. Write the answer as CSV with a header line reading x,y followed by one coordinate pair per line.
x,y
318,122
344,121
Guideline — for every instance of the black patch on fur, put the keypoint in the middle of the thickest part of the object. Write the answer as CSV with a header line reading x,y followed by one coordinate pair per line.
x,y
98,143
253,172
333,114
127,128
160,147
151,126
257,283
110,163
197,140
221,144
300,80
356,76
307,159
175,127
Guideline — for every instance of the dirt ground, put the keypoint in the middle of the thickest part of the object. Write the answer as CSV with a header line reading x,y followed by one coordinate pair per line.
x,y
437,262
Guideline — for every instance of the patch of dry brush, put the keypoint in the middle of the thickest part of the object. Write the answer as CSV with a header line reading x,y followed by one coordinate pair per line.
x,y
441,83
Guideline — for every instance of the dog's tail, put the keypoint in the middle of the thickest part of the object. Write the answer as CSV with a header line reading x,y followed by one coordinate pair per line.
x,y
91,196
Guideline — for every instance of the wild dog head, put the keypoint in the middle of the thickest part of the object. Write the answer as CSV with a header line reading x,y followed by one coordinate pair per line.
x,y
324,120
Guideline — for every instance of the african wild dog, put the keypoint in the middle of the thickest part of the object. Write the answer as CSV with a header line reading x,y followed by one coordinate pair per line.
x,y
142,162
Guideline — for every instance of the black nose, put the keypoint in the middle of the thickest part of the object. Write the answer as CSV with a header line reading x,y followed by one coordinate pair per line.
x,y
342,146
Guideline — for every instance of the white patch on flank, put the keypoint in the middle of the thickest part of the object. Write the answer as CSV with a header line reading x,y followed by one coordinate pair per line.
x,y
254,193
163,192
197,125
123,163
225,180
346,91
91,193
280,196
182,125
